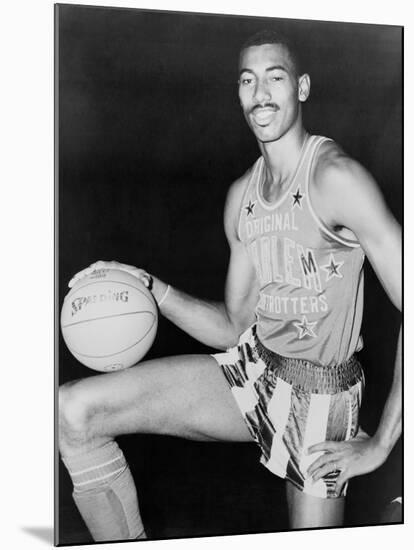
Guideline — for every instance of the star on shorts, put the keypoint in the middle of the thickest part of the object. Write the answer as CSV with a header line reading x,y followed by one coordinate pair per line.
x,y
332,268
305,328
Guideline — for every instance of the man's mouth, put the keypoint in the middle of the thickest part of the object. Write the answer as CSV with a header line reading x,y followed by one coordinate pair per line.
x,y
263,115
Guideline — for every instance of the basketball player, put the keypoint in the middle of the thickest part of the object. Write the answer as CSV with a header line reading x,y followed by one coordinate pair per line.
x,y
299,224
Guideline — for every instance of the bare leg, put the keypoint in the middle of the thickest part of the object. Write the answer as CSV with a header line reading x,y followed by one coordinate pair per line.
x,y
184,396
309,511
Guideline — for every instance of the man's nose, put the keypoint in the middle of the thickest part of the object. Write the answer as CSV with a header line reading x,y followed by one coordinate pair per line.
x,y
261,92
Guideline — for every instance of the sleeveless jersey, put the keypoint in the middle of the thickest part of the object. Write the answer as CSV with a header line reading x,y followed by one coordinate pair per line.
x,y
311,280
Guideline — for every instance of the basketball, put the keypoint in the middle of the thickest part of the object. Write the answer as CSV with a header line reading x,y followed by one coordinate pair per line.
x,y
109,320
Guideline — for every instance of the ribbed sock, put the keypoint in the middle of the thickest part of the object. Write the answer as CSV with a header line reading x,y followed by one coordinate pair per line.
x,y
105,494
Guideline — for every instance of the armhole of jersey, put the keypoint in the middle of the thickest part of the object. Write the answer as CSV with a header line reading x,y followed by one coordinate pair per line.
x,y
256,167
320,223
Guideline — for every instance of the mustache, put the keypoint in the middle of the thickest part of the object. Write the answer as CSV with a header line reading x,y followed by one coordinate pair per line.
x,y
273,106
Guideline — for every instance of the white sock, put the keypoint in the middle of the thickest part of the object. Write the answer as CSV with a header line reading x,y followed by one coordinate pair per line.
x,y
105,494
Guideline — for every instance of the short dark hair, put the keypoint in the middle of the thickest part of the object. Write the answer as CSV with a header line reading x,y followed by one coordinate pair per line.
x,y
274,37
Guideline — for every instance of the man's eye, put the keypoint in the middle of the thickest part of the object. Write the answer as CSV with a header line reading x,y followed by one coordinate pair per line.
x,y
276,78
246,81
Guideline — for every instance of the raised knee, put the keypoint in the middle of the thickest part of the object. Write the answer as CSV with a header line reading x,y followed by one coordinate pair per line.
x,y
75,413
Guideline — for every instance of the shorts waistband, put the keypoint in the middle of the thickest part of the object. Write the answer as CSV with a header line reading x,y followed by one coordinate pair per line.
x,y
309,376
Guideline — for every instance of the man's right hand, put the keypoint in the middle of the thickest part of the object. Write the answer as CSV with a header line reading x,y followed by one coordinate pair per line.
x,y
140,274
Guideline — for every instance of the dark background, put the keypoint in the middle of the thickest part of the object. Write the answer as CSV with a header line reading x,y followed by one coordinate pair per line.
x,y
150,136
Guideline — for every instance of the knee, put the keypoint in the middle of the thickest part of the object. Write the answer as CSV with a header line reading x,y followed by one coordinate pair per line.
x,y
75,414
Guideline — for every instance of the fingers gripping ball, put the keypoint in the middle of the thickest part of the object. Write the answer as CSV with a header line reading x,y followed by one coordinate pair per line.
x,y
109,320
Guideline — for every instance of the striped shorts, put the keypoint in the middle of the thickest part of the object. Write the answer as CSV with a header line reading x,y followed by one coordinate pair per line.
x,y
291,404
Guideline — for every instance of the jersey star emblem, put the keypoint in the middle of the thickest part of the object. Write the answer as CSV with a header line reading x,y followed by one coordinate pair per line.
x,y
297,198
333,268
305,328
250,207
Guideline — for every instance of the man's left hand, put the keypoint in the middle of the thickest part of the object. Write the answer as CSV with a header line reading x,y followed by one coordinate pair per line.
x,y
355,457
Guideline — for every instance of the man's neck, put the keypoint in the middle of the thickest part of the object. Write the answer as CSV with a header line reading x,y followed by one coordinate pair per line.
x,y
282,156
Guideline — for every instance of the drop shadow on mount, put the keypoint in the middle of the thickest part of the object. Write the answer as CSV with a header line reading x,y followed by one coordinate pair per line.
x,y
43,533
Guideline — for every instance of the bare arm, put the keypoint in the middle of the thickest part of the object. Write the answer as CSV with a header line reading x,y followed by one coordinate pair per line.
x,y
347,196
218,324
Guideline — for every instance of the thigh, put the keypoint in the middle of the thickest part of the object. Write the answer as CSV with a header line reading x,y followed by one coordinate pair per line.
x,y
310,511
186,396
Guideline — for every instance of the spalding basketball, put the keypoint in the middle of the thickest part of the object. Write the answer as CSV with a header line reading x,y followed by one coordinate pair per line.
x,y
109,320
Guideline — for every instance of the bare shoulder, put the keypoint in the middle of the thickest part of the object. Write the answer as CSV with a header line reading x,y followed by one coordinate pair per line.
x,y
336,173
233,203
341,186
347,198
238,188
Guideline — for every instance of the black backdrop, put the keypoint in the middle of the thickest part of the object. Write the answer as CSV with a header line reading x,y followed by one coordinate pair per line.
x,y
150,135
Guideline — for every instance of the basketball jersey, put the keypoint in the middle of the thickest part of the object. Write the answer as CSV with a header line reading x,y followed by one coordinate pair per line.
x,y
311,280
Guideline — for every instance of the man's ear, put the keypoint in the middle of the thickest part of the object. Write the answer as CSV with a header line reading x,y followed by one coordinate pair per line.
x,y
304,87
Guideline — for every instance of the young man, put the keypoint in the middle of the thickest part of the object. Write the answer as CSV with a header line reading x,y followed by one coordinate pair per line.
x,y
299,224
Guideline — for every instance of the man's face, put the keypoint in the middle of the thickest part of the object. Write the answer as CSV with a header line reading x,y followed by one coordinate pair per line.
x,y
270,91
